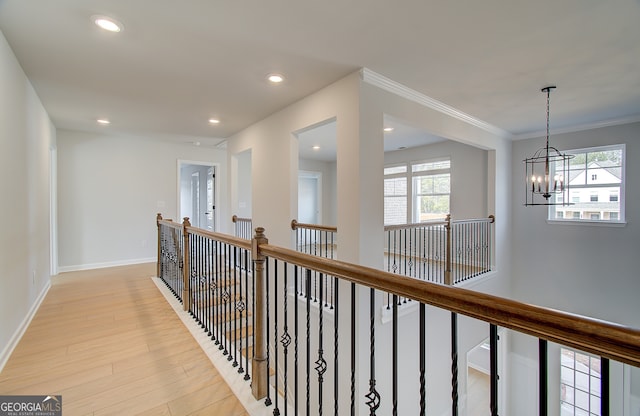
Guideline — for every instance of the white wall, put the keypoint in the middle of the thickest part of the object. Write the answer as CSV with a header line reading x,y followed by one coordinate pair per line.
x,y
26,139
109,191
329,187
585,269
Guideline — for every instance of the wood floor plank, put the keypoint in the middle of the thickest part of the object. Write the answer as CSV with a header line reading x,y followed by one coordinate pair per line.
x,y
108,342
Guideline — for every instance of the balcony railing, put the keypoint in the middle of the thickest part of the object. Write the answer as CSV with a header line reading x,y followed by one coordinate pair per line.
x,y
310,359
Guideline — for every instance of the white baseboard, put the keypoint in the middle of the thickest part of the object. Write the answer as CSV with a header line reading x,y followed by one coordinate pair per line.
x,y
13,341
62,269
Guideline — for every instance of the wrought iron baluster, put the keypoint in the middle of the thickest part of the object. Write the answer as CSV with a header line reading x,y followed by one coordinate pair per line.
x,y
454,364
267,401
394,356
422,340
543,379
286,338
234,307
373,396
353,349
335,346
493,364
321,364
605,396
247,271
308,302
295,339
276,409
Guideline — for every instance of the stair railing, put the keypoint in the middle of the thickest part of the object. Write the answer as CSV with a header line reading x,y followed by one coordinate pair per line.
x,y
323,354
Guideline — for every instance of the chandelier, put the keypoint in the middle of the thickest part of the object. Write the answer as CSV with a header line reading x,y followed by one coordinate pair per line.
x,y
547,173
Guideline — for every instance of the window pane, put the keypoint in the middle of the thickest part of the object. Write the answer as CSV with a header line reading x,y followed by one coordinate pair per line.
x,y
395,169
395,210
395,187
581,400
566,375
432,207
427,166
566,394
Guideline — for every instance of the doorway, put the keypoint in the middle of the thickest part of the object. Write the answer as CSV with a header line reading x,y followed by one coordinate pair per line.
x,y
310,197
197,193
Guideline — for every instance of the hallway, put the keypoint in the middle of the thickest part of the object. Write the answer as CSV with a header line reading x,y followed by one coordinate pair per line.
x,y
110,344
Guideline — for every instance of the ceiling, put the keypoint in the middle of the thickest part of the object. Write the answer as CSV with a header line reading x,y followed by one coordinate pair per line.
x,y
178,63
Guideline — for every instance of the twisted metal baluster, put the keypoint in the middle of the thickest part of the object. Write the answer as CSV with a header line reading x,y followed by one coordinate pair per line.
x,y
321,364
373,396
276,410
285,339
240,306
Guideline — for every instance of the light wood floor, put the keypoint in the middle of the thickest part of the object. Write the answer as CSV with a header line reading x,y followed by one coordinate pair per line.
x,y
110,344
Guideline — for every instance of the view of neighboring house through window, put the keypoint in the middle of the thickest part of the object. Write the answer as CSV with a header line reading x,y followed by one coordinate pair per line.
x,y
580,384
417,191
596,183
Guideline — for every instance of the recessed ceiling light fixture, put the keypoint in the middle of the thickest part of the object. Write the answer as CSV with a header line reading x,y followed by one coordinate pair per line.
x,y
107,23
103,121
275,78
214,121
316,147
388,129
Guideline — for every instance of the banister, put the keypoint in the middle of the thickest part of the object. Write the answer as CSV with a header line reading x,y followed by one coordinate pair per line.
x,y
236,219
225,238
414,225
598,337
295,225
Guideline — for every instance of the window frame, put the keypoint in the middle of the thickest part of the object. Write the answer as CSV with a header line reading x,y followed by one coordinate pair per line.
x,y
410,176
585,219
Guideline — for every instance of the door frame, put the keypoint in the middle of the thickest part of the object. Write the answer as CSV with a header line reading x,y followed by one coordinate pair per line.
x,y
216,187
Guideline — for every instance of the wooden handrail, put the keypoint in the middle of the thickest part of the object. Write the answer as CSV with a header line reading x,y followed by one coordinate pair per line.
x,y
225,238
491,219
295,225
235,219
414,225
598,337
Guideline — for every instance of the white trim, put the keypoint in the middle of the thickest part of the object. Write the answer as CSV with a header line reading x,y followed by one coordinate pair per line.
x,y
403,91
13,341
580,127
91,266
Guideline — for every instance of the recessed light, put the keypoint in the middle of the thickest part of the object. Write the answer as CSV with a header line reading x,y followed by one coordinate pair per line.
x,y
214,121
388,129
103,121
275,78
107,23
316,147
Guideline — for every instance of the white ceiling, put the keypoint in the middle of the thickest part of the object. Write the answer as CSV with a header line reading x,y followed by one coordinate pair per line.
x,y
178,63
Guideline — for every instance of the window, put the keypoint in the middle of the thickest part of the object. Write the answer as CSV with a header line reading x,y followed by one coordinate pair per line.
x,y
395,195
417,191
596,181
580,383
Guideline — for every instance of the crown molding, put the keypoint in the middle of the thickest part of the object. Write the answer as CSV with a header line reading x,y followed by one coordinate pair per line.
x,y
579,127
382,82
